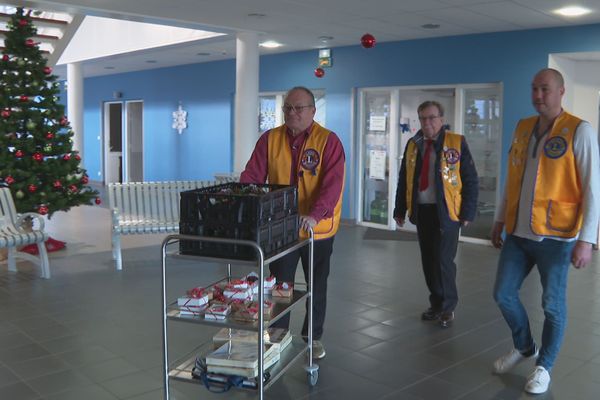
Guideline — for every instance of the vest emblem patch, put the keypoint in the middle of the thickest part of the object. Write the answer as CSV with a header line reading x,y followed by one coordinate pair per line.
x,y
452,155
310,159
555,147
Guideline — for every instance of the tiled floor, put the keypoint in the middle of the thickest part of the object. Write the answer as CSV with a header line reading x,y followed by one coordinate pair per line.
x,y
92,333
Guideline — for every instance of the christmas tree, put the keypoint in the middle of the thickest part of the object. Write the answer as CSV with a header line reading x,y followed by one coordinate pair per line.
x,y
37,160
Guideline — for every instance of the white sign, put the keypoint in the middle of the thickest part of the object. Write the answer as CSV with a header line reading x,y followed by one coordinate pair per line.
x,y
377,123
377,164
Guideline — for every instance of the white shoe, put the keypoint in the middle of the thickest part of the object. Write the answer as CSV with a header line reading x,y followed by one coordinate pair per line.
x,y
508,361
538,381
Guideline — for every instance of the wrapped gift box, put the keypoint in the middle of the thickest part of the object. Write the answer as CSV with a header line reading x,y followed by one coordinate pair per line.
x,y
242,294
192,310
187,301
283,289
217,311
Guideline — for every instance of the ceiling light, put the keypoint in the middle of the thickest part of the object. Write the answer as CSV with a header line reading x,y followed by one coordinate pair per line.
x,y
572,11
109,67
257,15
203,53
271,44
325,39
430,26
151,61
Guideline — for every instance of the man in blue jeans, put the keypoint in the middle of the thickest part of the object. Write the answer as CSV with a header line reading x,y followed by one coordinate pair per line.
x,y
550,212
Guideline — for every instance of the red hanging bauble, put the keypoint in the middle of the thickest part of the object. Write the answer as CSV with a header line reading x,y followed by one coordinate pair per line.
x,y
49,135
37,157
43,210
47,70
84,179
29,43
23,22
63,120
5,57
73,188
57,184
19,153
32,188
23,99
9,180
5,113
97,201
67,157
77,157
367,40
319,72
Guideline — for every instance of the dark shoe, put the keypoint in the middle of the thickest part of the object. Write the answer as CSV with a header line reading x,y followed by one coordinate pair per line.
x,y
430,315
446,319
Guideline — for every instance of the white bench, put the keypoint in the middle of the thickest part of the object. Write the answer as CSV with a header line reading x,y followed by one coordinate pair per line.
x,y
145,207
13,236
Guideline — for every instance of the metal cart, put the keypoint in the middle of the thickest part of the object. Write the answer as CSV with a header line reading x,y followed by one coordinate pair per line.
x,y
181,369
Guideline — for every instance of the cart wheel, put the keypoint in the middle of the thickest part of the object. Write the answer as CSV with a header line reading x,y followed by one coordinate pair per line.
x,y
313,378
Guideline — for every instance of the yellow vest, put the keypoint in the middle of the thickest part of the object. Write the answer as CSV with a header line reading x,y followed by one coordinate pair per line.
x,y
450,167
309,165
556,208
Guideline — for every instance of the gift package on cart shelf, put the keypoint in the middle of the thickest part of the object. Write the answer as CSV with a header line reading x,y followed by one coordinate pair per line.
x,y
264,214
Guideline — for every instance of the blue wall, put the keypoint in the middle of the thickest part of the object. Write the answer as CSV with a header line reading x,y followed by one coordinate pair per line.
x,y
206,91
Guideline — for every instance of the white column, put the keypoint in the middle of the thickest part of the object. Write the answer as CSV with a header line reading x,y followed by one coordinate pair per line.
x,y
246,99
75,104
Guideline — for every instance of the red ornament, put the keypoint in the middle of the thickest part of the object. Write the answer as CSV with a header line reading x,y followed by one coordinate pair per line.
x,y
63,120
32,188
73,188
97,201
43,210
18,153
5,57
29,43
23,22
49,135
9,180
77,157
5,113
56,184
319,72
84,179
47,70
23,99
38,157
367,41
67,157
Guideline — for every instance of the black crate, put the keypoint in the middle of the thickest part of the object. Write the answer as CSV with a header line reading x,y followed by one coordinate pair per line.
x,y
265,214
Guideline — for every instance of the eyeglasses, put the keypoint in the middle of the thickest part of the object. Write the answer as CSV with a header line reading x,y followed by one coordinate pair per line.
x,y
295,109
429,118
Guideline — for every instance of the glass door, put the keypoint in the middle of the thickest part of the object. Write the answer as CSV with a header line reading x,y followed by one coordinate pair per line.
x,y
376,128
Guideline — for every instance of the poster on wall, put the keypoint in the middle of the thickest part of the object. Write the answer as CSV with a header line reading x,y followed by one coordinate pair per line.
x,y
377,164
377,123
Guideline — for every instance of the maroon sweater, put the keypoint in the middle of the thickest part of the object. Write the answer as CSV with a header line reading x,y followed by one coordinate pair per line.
x,y
332,166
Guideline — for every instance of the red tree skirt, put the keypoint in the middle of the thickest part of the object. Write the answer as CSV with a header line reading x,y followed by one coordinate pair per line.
x,y
51,245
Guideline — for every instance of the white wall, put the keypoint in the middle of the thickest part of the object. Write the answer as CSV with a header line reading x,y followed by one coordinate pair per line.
x,y
582,83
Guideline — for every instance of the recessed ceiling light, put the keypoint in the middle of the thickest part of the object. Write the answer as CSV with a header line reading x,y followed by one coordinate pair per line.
x,y
572,11
109,67
203,53
430,26
271,44
257,15
151,61
325,39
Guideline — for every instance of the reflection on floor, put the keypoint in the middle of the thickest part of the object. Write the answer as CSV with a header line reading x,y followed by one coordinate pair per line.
x,y
93,333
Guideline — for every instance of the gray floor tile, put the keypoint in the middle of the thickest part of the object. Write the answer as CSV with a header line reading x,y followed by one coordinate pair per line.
x,y
130,385
36,367
58,382
19,390
109,369
92,392
7,377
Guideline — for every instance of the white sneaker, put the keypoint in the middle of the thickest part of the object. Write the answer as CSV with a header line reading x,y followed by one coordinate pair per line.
x,y
508,361
318,350
538,381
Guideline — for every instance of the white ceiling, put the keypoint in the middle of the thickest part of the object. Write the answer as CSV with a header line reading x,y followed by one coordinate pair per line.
x,y
301,24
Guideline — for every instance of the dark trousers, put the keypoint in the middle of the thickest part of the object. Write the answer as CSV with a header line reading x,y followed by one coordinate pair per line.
x,y
284,270
438,249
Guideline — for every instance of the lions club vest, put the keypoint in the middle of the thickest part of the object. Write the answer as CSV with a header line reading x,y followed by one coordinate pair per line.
x,y
450,169
310,174
556,208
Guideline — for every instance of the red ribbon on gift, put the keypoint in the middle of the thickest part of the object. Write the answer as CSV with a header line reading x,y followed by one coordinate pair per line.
x,y
196,292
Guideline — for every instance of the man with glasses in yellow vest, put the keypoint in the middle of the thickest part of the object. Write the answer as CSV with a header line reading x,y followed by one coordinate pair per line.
x,y
302,153
550,212
438,188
